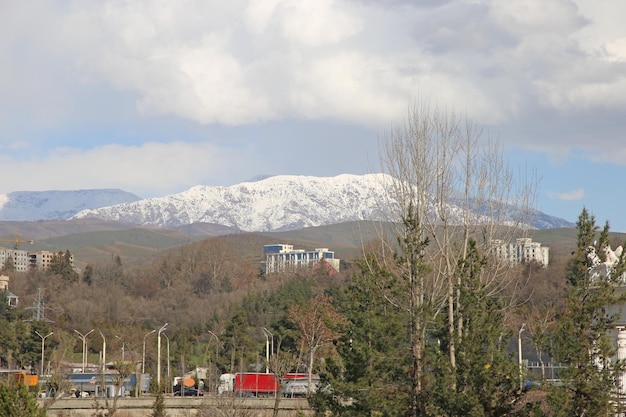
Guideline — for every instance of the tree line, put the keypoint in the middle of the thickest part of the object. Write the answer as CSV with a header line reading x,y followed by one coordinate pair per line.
x,y
421,324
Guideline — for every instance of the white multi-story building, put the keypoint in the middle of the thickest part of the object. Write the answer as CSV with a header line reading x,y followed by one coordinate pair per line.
x,y
25,260
523,250
284,258
18,256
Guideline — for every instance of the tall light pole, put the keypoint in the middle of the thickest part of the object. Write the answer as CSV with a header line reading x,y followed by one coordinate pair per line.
x,y
267,334
159,355
143,355
168,358
43,348
104,352
217,344
519,354
84,338
122,340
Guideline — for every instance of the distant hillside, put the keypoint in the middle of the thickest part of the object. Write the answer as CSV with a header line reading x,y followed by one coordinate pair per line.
x,y
97,240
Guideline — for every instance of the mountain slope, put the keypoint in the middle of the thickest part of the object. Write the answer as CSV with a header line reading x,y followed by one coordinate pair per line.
x,y
272,204
57,205
276,203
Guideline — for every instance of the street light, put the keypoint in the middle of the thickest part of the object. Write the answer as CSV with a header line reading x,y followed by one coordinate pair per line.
x,y
143,356
43,348
267,334
159,355
168,357
519,354
122,340
104,352
84,338
217,343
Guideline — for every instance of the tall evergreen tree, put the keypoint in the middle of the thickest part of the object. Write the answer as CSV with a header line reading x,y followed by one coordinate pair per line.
x,y
372,365
577,267
484,380
9,265
17,401
61,264
582,338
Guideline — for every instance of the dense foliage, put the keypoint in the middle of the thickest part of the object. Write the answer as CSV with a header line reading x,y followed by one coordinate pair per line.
x,y
217,306
585,332
17,401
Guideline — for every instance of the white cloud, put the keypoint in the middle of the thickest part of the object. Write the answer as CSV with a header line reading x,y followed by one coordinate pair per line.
x,y
149,169
577,194
531,62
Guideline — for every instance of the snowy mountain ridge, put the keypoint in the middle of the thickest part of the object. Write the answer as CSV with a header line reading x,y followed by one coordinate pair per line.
x,y
284,202
274,203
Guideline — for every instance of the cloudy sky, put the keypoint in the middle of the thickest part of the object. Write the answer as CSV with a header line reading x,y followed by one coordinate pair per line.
x,y
157,96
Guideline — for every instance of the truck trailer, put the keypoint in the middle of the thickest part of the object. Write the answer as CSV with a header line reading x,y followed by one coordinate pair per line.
x,y
253,384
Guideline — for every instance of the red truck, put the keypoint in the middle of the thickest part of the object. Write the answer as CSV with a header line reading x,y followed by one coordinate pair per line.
x,y
255,384
252,384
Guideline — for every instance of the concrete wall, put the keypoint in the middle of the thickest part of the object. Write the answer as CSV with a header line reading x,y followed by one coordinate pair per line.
x,y
183,407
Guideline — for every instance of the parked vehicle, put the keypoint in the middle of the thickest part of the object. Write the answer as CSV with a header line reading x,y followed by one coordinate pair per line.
x,y
189,392
227,384
256,384
252,384
297,385
296,389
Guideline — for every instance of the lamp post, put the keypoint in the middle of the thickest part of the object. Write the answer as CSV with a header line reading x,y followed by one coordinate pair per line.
x,y
159,355
122,340
43,348
84,338
168,359
519,354
143,355
104,352
217,343
267,334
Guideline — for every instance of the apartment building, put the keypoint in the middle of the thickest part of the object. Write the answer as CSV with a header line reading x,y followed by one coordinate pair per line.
x,y
281,257
522,250
18,256
26,260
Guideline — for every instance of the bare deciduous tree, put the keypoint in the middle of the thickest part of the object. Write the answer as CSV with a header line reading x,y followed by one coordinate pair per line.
x,y
318,323
448,183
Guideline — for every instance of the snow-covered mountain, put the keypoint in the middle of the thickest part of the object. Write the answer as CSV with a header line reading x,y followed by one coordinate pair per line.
x,y
276,203
57,205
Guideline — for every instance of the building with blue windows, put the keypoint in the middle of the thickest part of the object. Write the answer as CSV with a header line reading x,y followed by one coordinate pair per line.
x,y
284,258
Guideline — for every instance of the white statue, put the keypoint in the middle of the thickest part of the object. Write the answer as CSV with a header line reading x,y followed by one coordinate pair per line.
x,y
611,257
593,256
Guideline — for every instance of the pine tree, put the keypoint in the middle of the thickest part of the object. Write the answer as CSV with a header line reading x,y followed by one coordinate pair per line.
x,y
372,365
158,408
582,335
17,401
484,380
